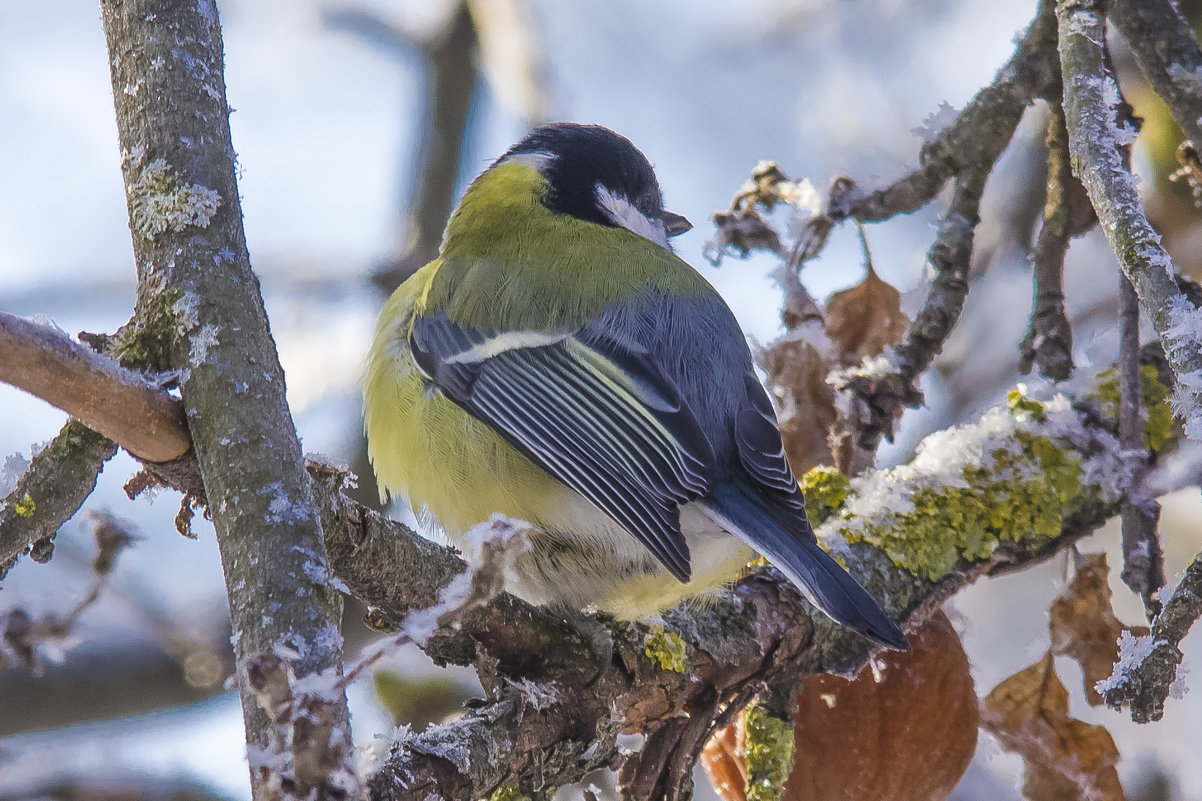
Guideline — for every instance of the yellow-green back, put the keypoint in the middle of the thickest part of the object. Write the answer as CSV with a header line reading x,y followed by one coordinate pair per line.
x,y
508,263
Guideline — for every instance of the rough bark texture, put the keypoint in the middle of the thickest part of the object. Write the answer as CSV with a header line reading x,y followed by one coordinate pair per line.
x,y
195,283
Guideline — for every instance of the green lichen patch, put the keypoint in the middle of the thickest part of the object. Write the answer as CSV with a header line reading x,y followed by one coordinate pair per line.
x,y
161,201
969,489
1020,495
665,648
1155,410
25,507
768,753
825,491
1023,407
508,792
147,342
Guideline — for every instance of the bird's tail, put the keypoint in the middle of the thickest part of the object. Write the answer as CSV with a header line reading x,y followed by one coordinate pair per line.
x,y
819,577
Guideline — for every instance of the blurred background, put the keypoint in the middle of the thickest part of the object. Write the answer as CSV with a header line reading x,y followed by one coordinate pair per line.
x,y
357,122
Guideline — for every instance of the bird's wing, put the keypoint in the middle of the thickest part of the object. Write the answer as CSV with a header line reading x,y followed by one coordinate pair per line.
x,y
595,412
761,450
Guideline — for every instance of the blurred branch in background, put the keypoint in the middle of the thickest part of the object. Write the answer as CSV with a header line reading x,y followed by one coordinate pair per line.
x,y
1066,214
107,785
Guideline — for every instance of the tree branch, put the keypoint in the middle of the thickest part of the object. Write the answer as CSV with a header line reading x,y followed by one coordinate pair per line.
x,y
1094,141
195,278
1164,45
1066,214
555,707
45,362
874,401
536,725
50,491
1146,682
975,140
1143,560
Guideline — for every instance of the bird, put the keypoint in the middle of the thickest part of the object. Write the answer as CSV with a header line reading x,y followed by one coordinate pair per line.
x,y
558,363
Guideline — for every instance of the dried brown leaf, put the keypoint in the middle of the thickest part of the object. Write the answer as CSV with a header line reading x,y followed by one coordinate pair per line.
x,y
864,320
805,403
905,732
1066,758
722,759
1083,625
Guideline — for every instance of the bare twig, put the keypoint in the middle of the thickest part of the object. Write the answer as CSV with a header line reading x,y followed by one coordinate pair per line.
x,y
977,137
1094,142
1143,560
1066,214
1163,42
21,634
874,401
44,361
57,482
1148,682
452,71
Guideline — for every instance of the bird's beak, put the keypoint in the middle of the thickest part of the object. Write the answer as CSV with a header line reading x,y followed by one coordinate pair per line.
x,y
675,224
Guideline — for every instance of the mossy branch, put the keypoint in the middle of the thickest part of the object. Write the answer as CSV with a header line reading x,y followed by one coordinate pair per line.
x,y
58,480
1032,477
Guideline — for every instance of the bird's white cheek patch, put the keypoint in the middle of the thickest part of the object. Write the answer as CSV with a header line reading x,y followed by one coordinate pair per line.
x,y
624,213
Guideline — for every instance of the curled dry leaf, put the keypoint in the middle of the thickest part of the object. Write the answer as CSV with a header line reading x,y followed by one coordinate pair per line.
x,y
805,403
865,319
908,736
861,321
1083,625
1066,758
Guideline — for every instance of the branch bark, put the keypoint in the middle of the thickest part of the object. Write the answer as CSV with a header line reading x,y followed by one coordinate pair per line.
x,y
1165,48
555,705
57,482
1067,213
45,362
195,280
977,137
1094,139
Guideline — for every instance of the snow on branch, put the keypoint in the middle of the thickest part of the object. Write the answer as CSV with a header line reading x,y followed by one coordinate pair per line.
x,y
1149,668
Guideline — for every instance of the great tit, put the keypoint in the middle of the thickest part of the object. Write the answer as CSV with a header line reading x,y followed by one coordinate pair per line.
x,y
559,364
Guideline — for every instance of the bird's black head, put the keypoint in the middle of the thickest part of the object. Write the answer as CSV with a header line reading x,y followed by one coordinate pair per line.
x,y
597,175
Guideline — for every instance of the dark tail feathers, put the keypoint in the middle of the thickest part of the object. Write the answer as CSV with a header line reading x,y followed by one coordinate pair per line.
x,y
829,587
819,577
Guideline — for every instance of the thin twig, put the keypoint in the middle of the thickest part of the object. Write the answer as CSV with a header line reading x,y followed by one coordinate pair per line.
x,y
1143,560
1066,214
1147,684
978,135
874,401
